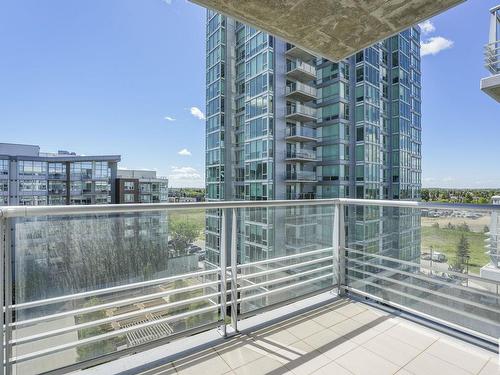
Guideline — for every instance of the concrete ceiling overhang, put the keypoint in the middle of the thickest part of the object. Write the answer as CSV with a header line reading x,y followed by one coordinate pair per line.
x,y
333,29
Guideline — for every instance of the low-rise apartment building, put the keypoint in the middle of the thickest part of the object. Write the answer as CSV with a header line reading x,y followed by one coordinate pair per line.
x,y
33,178
140,186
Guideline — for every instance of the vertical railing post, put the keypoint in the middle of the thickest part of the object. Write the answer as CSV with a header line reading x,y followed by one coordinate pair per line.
x,y
341,249
234,272
8,294
223,274
2,291
335,246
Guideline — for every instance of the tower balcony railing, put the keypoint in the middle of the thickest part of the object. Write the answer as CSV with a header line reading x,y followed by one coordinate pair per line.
x,y
300,133
80,290
298,52
301,155
301,176
300,70
300,112
492,57
300,91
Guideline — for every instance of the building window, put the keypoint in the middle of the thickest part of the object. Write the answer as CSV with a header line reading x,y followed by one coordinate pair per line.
x,y
145,198
57,170
32,200
4,167
129,185
129,198
145,188
32,168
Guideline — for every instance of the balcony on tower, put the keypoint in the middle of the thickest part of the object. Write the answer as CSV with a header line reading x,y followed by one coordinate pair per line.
x,y
297,52
300,133
491,85
300,112
300,70
300,91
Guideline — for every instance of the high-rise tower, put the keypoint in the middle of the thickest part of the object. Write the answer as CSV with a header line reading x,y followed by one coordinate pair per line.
x,y
285,124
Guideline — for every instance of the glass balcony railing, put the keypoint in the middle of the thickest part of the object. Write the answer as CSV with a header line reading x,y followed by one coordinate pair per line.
x,y
300,70
301,91
301,155
88,284
301,112
300,132
492,57
301,176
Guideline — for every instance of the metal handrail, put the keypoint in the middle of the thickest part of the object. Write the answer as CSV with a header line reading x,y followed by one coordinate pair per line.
x,y
228,276
31,211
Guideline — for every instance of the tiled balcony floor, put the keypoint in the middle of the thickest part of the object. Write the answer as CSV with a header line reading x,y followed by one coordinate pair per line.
x,y
343,337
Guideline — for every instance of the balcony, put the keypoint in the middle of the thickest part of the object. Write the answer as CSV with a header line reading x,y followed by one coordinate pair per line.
x,y
296,52
491,85
304,156
79,294
300,91
300,71
301,176
300,134
300,112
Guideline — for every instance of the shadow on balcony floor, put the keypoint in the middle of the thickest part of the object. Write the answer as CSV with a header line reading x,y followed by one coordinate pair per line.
x,y
342,337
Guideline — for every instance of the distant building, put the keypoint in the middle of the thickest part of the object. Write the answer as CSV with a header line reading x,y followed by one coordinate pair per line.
x,y
140,186
491,84
31,178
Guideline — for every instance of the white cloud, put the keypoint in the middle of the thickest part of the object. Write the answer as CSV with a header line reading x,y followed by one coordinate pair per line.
x,y
168,118
196,112
434,45
185,177
168,2
427,27
184,152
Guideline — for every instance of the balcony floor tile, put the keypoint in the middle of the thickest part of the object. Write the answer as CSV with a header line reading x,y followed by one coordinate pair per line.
x,y
361,361
470,360
370,342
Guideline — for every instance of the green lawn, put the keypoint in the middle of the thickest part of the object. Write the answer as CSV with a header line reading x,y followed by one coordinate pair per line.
x,y
193,216
445,241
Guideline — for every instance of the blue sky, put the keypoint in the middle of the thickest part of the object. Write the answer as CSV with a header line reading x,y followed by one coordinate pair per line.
x,y
126,76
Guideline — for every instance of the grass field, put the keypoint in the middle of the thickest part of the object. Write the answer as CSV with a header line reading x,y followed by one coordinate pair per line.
x,y
445,241
192,216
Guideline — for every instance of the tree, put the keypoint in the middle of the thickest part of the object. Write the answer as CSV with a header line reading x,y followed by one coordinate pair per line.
x,y
462,253
183,233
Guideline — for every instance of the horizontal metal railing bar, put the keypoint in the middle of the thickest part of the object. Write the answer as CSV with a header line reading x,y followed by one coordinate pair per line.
x,y
430,291
429,279
89,340
432,303
276,305
412,264
286,257
283,279
122,302
423,315
416,204
260,295
110,319
279,269
119,288
88,363
30,211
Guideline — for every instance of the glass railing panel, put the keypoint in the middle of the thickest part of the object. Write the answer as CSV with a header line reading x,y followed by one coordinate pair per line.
x,y
86,286
436,262
290,255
